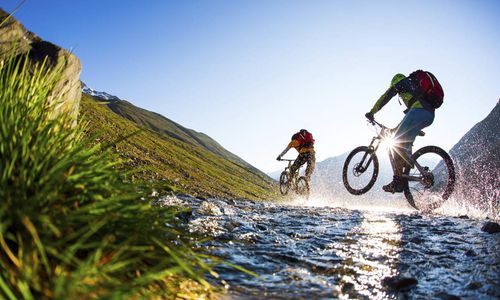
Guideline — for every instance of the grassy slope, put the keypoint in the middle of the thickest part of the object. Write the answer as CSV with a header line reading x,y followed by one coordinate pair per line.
x,y
192,168
167,127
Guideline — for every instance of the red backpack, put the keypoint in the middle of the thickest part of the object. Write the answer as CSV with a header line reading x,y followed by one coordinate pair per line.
x,y
308,139
305,138
429,87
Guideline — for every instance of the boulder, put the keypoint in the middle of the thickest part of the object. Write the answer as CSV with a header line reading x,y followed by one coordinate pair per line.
x,y
491,227
16,40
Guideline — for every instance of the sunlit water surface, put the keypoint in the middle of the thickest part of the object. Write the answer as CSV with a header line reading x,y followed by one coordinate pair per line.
x,y
323,249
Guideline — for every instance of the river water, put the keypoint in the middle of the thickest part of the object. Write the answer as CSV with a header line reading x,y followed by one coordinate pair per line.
x,y
301,251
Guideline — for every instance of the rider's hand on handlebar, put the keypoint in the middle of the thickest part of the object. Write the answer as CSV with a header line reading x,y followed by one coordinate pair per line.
x,y
370,116
279,157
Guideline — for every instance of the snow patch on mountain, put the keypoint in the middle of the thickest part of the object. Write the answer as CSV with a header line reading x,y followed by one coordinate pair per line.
x,y
97,94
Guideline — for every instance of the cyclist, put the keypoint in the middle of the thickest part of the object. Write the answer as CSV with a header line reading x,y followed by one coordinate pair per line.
x,y
303,142
418,115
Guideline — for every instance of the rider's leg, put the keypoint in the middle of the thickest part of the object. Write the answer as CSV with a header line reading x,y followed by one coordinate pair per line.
x,y
311,165
299,161
414,121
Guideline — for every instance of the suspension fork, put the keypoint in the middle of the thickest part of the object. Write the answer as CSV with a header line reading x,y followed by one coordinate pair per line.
x,y
372,149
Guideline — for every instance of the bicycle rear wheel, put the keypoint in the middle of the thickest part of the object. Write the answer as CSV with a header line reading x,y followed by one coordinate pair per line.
x,y
284,182
432,190
360,170
302,187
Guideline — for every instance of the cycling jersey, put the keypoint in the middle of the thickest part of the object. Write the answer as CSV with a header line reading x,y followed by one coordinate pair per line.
x,y
407,90
300,147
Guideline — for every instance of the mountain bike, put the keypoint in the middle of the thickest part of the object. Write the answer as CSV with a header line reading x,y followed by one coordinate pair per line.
x,y
296,183
429,175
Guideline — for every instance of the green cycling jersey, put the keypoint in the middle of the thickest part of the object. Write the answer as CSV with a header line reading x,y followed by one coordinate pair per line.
x,y
399,85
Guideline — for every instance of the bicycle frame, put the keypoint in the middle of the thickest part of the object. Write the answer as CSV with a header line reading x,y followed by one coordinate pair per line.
x,y
293,177
382,135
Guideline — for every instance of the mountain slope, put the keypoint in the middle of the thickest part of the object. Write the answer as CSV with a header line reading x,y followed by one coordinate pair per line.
x,y
167,127
190,167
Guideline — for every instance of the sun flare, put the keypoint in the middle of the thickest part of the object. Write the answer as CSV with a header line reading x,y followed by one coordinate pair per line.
x,y
389,143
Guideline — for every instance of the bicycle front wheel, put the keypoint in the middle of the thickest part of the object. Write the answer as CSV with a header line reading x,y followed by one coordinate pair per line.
x,y
284,182
360,170
302,187
429,190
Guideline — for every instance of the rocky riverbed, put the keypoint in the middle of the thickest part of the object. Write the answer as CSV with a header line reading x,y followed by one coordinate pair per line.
x,y
325,252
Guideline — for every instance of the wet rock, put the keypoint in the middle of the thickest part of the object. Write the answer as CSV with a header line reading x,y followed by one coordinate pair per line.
x,y
210,209
465,217
172,201
185,196
491,227
184,216
445,296
347,287
231,225
261,227
398,283
474,285
416,240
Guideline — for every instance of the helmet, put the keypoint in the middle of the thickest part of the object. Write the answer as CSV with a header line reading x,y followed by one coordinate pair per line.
x,y
303,131
397,78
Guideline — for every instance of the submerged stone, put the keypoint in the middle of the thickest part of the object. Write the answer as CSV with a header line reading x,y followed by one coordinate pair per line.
x,y
491,227
398,283
446,296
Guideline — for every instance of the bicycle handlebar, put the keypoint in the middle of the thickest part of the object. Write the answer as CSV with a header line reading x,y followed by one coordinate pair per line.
x,y
284,159
373,122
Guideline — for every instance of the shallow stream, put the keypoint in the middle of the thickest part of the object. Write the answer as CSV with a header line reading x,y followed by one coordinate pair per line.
x,y
325,252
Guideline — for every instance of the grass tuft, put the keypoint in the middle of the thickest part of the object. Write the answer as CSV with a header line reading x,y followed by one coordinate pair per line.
x,y
71,225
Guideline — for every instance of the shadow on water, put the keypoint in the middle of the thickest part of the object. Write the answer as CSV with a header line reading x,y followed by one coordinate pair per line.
x,y
309,250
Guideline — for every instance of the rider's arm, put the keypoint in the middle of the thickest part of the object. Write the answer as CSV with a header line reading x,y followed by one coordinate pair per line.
x,y
284,151
391,92
292,144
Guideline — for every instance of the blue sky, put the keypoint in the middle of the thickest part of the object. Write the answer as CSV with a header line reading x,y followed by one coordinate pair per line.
x,y
251,73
